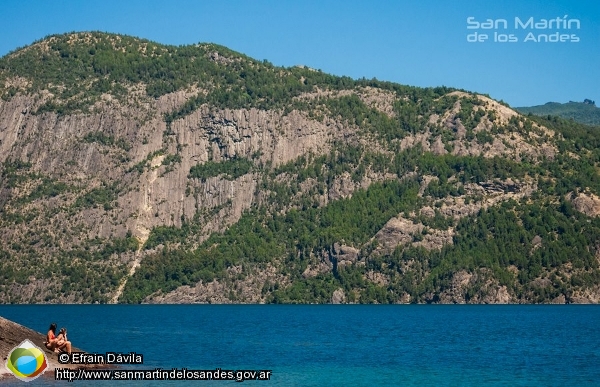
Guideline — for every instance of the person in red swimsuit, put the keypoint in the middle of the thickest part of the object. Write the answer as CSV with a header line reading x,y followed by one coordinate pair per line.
x,y
57,344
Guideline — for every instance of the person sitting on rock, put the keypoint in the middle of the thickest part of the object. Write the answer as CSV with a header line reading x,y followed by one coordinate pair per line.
x,y
63,342
55,344
51,339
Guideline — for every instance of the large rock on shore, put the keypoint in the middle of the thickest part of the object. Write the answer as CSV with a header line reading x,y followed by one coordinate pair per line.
x,y
13,334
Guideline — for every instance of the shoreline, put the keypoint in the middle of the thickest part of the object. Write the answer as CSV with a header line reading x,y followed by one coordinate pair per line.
x,y
13,334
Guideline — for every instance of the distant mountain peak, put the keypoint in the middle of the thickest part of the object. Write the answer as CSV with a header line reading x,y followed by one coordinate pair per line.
x,y
584,112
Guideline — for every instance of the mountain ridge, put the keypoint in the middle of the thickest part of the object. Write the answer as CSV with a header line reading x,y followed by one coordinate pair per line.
x,y
585,112
138,172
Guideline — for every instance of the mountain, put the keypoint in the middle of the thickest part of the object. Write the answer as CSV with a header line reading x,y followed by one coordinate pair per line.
x,y
137,172
585,112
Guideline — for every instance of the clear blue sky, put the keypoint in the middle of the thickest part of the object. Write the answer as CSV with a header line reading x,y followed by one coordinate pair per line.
x,y
421,43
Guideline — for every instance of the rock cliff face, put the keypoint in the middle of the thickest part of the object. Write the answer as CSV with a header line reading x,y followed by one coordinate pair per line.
x,y
107,176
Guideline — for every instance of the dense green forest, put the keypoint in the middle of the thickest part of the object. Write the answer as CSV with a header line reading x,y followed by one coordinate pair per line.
x,y
99,63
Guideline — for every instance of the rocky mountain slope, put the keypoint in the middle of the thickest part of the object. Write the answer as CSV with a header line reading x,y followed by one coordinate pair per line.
x,y
137,172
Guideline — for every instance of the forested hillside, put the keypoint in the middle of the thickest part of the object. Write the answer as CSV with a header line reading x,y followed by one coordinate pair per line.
x,y
585,112
138,172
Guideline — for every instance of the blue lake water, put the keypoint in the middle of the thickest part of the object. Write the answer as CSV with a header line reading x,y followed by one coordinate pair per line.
x,y
341,345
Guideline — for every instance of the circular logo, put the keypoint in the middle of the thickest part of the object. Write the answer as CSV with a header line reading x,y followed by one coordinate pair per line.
x,y
63,358
26,361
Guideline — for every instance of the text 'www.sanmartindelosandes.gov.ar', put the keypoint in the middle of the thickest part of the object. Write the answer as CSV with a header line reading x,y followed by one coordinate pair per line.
x,y
161,374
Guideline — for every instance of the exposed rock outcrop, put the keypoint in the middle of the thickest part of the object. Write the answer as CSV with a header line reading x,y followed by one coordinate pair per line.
x,y
477,287
588,204
339,297
248,289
